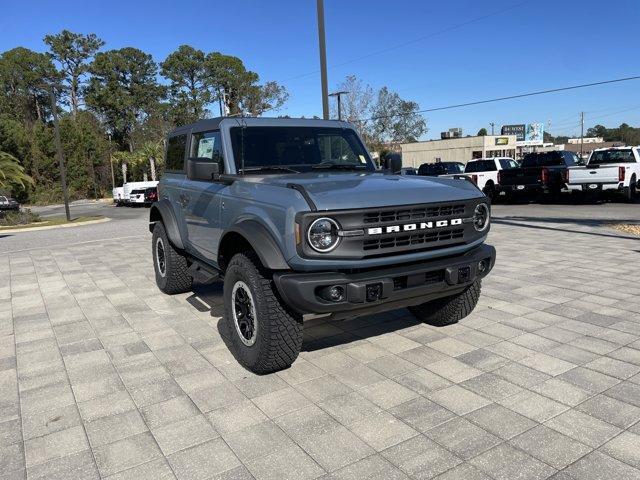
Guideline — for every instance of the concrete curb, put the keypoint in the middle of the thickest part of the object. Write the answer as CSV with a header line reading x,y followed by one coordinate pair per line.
x,y
51,227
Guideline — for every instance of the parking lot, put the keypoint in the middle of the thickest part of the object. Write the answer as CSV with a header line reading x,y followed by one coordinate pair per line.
x,y
102,376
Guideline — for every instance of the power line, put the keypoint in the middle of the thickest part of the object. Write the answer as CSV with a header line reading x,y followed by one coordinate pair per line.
x,y
511,97
415,40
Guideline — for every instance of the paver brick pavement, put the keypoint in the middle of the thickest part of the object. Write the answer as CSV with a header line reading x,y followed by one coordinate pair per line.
x,y
102,376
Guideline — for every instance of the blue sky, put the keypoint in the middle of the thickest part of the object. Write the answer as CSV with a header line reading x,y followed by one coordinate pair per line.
x,y
449,55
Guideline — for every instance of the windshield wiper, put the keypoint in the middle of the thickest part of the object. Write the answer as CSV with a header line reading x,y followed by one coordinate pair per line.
x,y
338,166
269,168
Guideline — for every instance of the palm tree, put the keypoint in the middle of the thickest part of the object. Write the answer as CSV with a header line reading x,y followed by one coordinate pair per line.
x,y
12,173
151,152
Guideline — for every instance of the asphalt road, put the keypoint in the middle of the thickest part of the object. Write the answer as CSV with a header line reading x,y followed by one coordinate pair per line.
x,y
125,224
85,208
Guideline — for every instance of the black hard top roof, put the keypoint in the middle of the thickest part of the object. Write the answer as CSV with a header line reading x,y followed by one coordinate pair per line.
x,y
214,123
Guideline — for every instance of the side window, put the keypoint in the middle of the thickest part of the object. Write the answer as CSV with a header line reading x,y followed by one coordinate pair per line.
x,y
207,145
175,153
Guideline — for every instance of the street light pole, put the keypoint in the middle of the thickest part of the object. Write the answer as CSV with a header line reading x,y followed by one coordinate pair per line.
x,y
338,95
323,59
581,134
492,125
63,173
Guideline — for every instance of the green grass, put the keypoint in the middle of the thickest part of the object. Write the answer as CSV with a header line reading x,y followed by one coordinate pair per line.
x,y
50,222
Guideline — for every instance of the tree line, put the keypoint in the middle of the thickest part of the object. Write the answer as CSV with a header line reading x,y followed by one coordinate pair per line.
x,y
114,105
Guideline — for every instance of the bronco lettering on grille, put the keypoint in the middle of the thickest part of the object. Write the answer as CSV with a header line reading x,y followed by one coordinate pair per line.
x,y
408,227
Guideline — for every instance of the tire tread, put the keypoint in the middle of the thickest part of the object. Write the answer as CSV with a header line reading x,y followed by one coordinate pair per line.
x,y
284,326
178,278
449,310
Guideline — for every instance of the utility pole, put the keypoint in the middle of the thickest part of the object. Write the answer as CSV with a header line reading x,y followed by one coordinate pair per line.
x,y
323,59
492,125
63,173
338,95
581,134
113,176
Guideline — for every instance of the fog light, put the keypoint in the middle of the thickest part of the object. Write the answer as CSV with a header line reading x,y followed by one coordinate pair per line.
x,y
335,293
482,266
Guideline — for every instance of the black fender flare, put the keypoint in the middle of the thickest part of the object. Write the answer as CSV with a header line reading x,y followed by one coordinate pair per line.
x,y
262,243
163,211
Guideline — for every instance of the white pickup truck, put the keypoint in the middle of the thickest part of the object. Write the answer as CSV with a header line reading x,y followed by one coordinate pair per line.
x,y
608,170
484,172
133,192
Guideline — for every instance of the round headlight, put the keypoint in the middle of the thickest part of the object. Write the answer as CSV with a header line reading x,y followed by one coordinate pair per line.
x,y
481,217
323,235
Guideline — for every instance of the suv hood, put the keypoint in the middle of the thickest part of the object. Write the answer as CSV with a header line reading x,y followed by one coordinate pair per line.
x,y
336,191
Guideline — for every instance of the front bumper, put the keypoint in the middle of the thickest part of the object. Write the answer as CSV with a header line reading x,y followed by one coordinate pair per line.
x,y
381,289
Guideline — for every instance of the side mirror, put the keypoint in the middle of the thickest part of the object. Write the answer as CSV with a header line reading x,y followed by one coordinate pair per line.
x,y
199,168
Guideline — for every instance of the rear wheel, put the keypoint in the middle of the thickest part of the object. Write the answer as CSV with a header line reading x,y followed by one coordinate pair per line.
x,y
490,191
266,335
631,190
448,310
172,270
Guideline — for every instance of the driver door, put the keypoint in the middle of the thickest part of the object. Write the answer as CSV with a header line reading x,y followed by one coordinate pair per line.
x,y
203,199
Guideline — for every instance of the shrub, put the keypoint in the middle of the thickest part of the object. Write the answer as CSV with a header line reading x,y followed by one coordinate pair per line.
x,y
22,217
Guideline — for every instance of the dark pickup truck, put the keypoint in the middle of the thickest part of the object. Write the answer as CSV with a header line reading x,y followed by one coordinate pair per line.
x,y
543,173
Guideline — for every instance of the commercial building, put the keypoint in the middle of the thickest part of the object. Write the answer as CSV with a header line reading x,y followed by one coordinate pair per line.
x,y
586,140
460,149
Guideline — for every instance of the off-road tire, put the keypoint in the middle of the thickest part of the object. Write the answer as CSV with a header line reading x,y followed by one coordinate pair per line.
x,y
176,278
630,192
278,338
448,310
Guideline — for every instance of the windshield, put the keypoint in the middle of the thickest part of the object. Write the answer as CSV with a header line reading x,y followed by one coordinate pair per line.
x,y
611,156
297,149
480,166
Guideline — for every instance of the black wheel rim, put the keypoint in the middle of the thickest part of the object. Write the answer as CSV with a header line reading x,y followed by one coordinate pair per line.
x,y
244,313
161,258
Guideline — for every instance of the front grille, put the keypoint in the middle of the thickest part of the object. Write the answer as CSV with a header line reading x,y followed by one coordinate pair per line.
x,y
413,240
398,230
410,214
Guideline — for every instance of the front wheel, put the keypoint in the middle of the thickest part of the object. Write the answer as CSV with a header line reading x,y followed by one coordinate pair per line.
x,y
448,310
265,334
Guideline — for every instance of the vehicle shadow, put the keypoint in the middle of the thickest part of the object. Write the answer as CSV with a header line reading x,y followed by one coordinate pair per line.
x,y
565,199
519,221
319,333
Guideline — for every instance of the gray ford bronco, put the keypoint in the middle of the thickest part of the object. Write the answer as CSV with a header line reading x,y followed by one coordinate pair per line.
x,y
293,215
